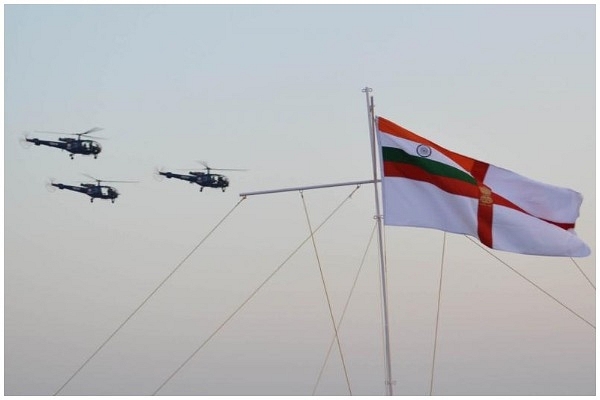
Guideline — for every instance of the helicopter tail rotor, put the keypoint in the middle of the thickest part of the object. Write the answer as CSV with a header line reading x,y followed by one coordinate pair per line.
x,y
23,141
49,186
157,176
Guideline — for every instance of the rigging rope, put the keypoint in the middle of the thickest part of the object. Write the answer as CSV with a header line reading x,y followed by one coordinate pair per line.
x,y
147,298
582,273
337,338
531,282
252,295
437,318
362,262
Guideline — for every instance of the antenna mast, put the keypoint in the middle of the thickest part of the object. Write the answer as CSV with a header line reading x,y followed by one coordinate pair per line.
x,y
379,217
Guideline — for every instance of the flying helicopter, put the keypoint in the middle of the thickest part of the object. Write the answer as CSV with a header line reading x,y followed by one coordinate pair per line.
x,y
72,145
203,178
94,190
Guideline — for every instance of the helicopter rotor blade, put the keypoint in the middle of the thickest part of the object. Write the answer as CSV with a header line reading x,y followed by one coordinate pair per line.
x,y
96,129
90,131
102,180
92,178
219,169
228,169
76,133
56,133
96,137
121,181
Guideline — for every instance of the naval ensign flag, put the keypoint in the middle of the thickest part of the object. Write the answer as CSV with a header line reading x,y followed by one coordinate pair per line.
x,y
426,185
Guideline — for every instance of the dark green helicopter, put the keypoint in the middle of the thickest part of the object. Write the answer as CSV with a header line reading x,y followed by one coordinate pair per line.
x,y
94,190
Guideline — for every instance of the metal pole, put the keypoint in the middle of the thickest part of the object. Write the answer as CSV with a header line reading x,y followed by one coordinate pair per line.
x,y
379,217
293,189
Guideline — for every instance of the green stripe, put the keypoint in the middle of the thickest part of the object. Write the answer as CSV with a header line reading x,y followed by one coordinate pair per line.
x,y
433,167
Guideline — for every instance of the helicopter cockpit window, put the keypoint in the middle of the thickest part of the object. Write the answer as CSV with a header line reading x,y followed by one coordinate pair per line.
x,y
85,145
95,145
104,191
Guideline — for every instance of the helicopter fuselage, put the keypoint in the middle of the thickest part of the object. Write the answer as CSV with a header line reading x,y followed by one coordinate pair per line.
x,y
74,146
201,178
92,190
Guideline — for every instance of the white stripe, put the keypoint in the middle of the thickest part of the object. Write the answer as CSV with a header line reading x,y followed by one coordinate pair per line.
x,y
410,147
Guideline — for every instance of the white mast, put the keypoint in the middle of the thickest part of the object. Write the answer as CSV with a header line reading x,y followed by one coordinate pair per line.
x,y
379,217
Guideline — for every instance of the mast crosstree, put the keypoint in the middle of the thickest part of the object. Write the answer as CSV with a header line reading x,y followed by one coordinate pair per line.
x,y
379,217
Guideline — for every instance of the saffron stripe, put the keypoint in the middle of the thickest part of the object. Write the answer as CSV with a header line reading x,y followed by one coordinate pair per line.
x,y
391,128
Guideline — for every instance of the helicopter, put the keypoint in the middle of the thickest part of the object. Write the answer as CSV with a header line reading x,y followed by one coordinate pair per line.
x,y
72,145
204,179
95,191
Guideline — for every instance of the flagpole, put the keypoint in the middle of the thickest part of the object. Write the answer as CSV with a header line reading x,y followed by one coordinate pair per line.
x,y
379,217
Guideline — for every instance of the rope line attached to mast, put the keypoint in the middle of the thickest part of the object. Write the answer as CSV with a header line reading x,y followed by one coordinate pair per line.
x,y
148,297
205,342
582,273
362,262
437,318
532,283
335,330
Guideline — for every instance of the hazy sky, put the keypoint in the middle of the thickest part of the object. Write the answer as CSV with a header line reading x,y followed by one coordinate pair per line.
x,y
276,90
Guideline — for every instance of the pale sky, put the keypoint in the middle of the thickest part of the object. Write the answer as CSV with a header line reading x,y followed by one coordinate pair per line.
x,y
276,90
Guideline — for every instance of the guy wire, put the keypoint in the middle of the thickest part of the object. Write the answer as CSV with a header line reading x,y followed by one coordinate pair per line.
x,y
532,283
337,338
147,298
362,262
205,342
